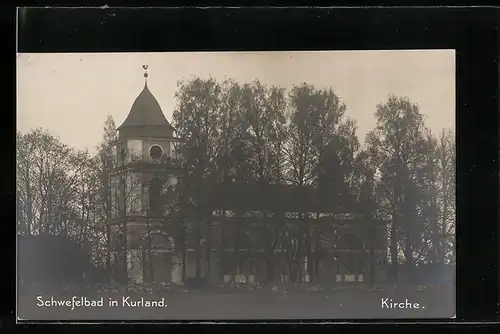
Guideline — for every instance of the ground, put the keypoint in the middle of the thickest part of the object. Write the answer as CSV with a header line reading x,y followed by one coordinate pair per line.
x,y
255,305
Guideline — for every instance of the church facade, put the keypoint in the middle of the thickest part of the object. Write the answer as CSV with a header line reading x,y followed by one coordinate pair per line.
x,y
151,242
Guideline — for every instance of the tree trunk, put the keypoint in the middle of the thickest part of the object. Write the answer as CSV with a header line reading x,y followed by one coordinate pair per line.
x,y
408,216
182,232
268,254
183,250
302,247
108,250
409,250
394,247
394,234
373,238
125,248
313,261
438,254
125,253
317,252
308,264
208,245
108,222
198,247
272,253
222,246
293,258
29,202
50,221
150,242
236,268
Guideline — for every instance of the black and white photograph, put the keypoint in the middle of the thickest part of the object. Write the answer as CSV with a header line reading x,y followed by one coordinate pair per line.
x,y
201,186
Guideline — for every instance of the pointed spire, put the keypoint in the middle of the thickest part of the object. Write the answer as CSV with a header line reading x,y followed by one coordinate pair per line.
x,y
145,67
146,115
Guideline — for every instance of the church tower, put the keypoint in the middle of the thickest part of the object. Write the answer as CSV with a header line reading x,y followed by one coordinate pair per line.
x,y
143,177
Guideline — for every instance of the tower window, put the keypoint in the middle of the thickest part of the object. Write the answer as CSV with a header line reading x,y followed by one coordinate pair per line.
x,y
155,152
123,154
155,196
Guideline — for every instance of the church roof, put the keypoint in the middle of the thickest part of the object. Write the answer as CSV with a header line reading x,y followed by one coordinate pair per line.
x,y
290,198
145,111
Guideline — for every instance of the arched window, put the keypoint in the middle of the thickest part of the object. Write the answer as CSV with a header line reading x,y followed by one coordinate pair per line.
x,y
155,196
158,239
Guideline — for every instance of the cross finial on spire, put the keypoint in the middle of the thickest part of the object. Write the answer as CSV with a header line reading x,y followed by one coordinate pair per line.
x,y
145,67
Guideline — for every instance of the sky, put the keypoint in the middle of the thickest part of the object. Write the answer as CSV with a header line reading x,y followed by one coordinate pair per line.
x,y
71,94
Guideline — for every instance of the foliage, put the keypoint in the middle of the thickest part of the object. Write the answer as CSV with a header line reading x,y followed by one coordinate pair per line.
x,y
252,134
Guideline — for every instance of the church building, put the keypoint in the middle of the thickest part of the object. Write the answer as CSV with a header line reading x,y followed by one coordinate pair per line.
x,y
151,243
144,155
